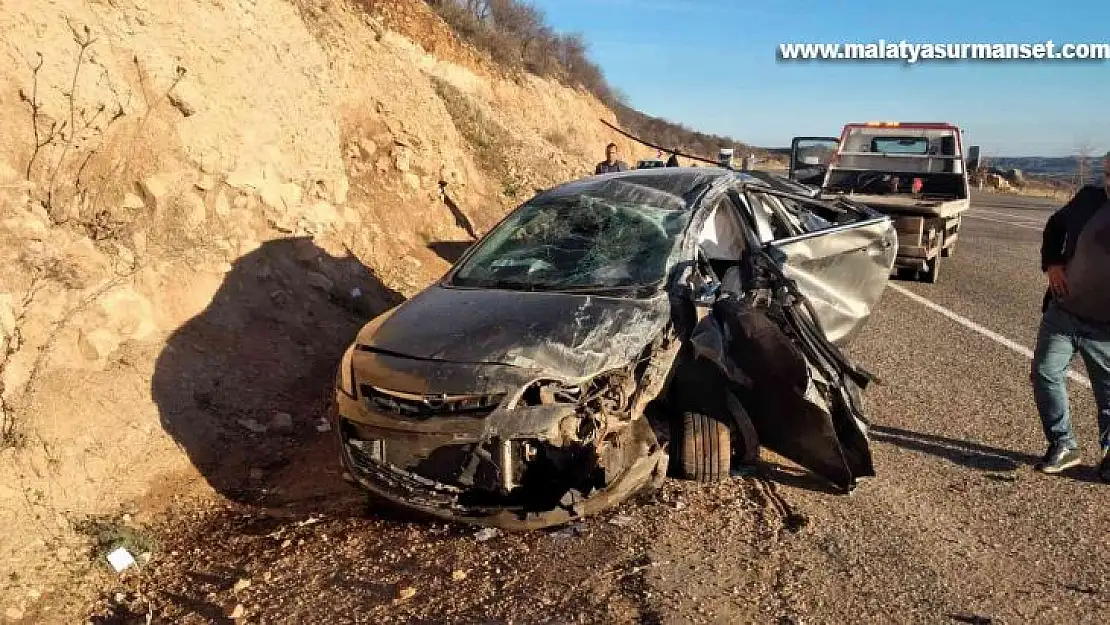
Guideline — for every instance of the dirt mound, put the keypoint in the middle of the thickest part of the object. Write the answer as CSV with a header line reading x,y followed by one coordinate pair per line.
x,y
199,205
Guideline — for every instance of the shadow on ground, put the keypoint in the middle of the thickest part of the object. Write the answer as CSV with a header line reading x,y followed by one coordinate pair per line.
x,y
450,251
795,477
242,386
969,454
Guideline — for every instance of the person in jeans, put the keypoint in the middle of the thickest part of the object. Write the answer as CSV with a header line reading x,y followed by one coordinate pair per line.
x,y
611,163
1075,255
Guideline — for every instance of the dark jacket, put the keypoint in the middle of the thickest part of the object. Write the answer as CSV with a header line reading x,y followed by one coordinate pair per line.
x,y
604,168
1062,230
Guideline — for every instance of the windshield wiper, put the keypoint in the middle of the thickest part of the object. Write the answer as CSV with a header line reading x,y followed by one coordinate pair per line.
x,y
638,289
508,285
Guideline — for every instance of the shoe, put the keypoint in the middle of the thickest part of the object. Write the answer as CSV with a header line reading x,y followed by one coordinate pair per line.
x,y
1104,467
1058,458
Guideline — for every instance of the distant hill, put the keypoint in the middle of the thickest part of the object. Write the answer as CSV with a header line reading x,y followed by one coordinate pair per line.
x,y
1042,166
1048,167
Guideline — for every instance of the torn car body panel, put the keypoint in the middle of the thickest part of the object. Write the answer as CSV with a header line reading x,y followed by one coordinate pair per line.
x,y
562,334
515,391
842,273
799,394
840,259
551,449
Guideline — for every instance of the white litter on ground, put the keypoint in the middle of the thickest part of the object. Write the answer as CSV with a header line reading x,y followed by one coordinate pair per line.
x,y
486,534
121,559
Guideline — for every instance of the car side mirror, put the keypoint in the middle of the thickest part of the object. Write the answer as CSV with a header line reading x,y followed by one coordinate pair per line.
x,y
701,289
705,294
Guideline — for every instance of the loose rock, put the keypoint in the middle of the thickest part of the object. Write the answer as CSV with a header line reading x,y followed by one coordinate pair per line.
x,y
282,421
132,202
185,98
367,148
207,182
193,210
487,534
155,190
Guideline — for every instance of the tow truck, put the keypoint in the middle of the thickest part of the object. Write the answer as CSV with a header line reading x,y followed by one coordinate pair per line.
x,y
912,171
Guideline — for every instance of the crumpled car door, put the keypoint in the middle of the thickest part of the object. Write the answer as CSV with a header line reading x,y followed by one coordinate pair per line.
x,y
799,391
839,253
842,271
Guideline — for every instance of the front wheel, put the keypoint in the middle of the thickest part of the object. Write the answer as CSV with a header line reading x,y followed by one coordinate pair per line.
x,y
706,452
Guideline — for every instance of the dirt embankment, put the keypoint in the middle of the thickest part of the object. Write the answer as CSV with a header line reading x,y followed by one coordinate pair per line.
x,y
199,205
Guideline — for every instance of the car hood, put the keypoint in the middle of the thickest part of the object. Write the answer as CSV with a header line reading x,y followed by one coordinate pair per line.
x,y
569,336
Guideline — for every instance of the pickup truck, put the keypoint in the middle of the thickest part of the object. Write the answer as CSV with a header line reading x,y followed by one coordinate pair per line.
x,y
912,171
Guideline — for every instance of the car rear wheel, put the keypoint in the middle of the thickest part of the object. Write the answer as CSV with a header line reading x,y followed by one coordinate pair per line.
x,y
706,453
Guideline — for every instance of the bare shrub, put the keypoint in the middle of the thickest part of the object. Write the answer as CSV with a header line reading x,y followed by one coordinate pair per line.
x,y
1083,164
515,35
65,161
492,144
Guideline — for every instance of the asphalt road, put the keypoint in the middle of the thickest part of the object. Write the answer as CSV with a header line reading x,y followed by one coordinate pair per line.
x,y
955,528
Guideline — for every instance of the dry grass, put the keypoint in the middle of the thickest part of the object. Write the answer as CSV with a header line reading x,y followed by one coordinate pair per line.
x,y
492,144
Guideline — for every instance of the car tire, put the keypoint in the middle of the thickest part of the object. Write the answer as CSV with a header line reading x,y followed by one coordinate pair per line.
x,y
706,452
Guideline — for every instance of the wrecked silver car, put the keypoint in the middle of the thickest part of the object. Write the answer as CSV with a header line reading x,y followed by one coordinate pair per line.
x,y
537,381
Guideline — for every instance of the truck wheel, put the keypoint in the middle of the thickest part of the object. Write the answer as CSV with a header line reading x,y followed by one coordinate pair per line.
x,y
906,273
931,274
705,455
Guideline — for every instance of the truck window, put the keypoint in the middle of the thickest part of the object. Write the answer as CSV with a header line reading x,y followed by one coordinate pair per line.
x,y
900,145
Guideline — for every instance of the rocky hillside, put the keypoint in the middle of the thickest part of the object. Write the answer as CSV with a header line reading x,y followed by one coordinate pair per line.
x,y
199,205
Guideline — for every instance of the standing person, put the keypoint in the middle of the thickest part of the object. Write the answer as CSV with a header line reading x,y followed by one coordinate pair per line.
x,y
673,161
611,163
1075,255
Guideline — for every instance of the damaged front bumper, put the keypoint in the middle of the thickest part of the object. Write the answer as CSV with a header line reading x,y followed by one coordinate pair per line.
x,y
495,461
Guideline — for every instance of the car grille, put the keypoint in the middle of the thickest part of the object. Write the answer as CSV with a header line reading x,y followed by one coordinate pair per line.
x,y
424,406
419,490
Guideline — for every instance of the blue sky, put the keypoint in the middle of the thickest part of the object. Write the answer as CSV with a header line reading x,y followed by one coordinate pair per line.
x,y
712,65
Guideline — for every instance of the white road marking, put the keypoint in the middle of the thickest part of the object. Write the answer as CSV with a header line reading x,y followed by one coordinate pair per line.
x,y
1008,223
1035,220
987,332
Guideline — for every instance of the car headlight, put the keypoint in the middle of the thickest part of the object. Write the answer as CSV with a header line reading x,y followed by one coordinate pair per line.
x,y
345,377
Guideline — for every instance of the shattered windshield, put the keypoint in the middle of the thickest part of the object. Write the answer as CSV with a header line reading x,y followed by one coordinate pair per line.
x,y
582,241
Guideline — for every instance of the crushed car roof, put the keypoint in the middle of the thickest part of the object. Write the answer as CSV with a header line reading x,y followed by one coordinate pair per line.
x,y
678,182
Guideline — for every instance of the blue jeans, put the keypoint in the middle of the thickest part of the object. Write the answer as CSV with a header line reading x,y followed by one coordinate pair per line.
x,y
1062,335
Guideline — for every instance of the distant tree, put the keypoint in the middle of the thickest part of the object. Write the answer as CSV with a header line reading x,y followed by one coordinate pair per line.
x,y
514,33
1082,163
